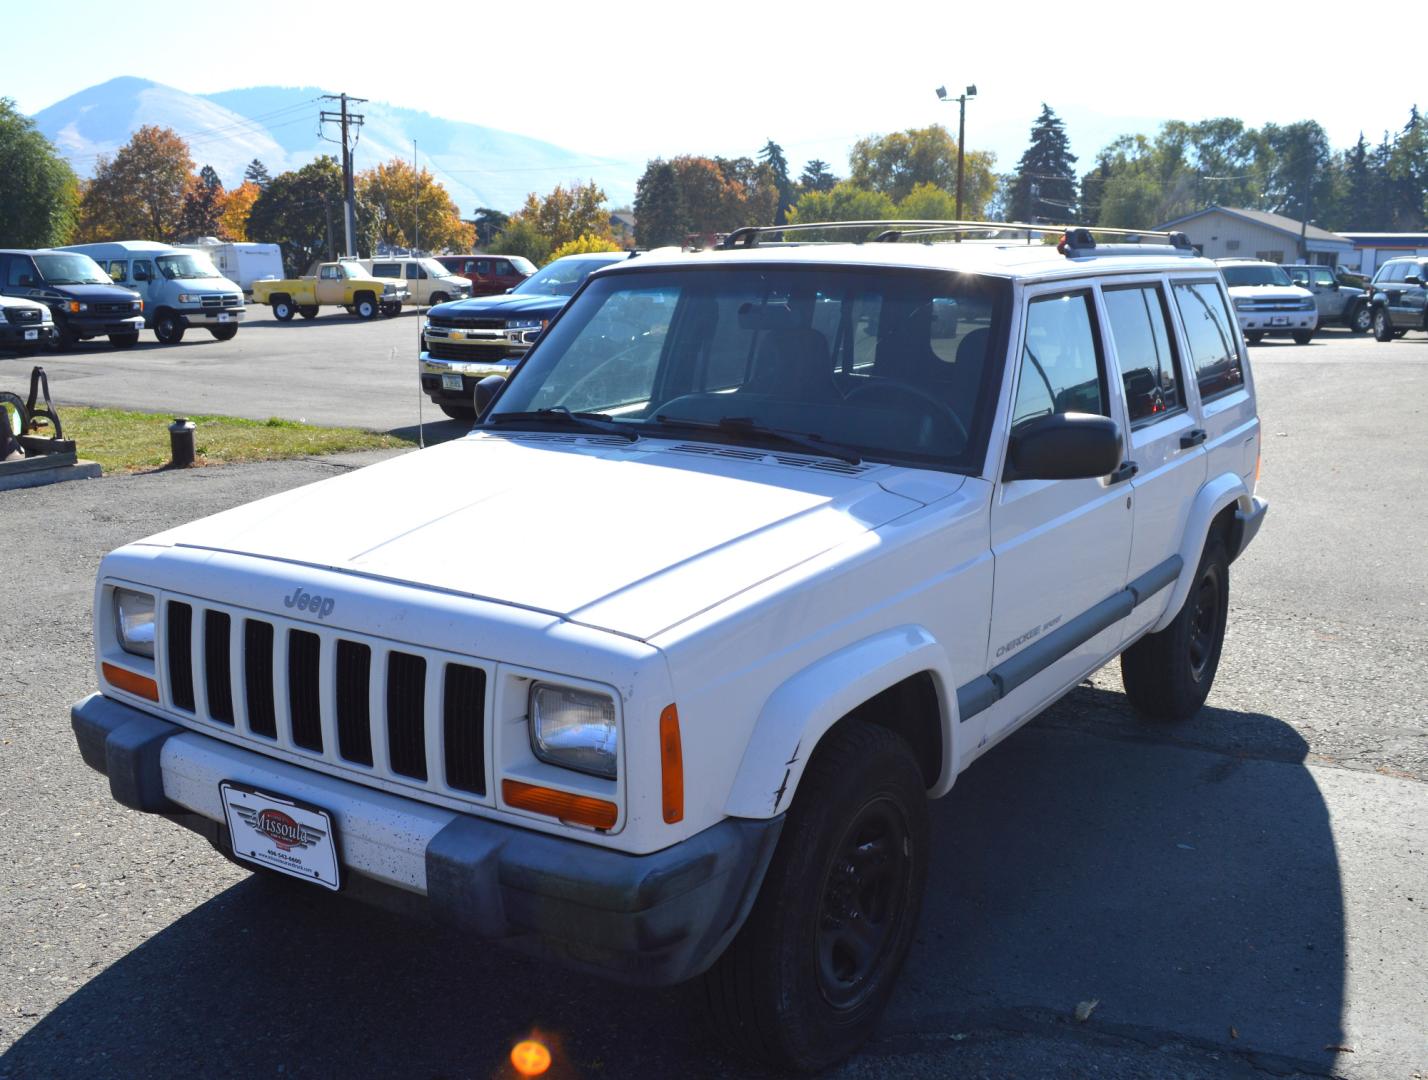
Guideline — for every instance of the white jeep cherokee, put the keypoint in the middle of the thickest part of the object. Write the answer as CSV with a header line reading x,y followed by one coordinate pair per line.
x,y
777,568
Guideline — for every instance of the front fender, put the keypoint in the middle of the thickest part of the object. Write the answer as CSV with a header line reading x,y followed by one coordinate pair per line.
x,y
799,712
1218,493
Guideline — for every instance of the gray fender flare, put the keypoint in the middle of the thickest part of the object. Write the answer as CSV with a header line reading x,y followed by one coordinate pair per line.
x,y
1218,493
800,712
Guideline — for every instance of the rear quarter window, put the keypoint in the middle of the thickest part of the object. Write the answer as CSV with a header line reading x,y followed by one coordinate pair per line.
x,y
1210,337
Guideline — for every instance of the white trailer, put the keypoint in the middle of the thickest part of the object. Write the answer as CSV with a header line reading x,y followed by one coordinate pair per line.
x,y
243,263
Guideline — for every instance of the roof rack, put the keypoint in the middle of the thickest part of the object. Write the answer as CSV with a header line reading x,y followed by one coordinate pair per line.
x,y
1076,240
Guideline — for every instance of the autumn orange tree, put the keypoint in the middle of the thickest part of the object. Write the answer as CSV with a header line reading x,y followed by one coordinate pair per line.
x,y
411,209
233,211
139,193
547,223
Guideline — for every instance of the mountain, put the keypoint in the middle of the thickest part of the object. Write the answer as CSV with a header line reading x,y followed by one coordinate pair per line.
x,y
479,166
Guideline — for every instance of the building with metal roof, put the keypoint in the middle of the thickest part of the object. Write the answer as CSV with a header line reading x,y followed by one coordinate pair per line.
x,y
1227,232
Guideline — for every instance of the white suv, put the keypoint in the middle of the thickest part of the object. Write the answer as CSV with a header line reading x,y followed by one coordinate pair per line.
x,y
791,535
1267,302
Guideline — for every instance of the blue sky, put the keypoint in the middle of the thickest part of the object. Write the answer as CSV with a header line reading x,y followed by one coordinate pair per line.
x,y
630,81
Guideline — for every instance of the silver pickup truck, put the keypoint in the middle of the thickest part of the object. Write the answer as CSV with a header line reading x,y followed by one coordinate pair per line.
x,y
1337,301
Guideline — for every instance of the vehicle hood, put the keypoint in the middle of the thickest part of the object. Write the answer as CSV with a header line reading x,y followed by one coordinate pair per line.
x,y
99,294
208,285
503,306
628,537
1271,292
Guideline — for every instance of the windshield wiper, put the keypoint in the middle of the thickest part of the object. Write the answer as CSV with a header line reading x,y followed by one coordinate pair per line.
x,y
585,421
746,425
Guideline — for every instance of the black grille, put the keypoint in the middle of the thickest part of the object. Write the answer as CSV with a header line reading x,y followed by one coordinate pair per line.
x,y
216,674
354,730
406,701
441,350
460,323
114,309
180,649
463,709
24,315
258,677
304,694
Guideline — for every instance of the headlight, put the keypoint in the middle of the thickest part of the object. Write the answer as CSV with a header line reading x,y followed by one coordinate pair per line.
x,y
574,729
524,324
1306,305
134,621
138,305
1243,305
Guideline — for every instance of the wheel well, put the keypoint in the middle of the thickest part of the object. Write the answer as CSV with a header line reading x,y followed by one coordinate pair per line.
x,y
911,710
365,294
1225,528
278,298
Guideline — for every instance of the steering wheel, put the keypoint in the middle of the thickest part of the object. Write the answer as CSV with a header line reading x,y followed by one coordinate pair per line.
x,y
935,407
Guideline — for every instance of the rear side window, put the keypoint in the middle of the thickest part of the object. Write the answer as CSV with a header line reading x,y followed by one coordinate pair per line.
x,y
1060,363
1209,337
1139,328
1390,273
393,270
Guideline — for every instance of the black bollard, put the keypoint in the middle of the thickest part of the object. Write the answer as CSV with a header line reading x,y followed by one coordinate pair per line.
x,y
181,442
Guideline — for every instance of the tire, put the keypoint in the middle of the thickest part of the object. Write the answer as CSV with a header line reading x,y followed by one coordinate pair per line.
x,y
1168,675
283,309
1360,318
390,311
124,341
63,339
224,333
1303,337
13,413
308,311
1399,333
437,298
458,412
1382,327
1254,337
791,989
365,307
167,328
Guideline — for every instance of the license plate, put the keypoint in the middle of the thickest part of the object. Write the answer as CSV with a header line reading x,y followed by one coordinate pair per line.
x,y
282,834
1279,320
223,316
32,335
451,382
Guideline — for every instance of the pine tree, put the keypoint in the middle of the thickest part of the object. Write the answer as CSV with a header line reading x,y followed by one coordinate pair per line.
x,y
257,173
772,156
1046,175
660,217
1357,208
817,177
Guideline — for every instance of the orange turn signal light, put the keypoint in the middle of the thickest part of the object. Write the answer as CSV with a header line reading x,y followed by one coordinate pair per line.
x,y
671,759
576,809
130,682
530,1058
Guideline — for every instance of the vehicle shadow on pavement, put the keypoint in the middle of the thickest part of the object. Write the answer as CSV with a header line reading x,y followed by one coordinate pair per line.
x,y
1194,894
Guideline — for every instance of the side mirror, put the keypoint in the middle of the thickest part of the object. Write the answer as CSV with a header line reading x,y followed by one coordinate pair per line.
x,y
485,393
1064,446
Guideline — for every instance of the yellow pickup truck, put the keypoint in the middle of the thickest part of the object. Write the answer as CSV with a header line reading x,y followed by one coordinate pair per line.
x,y
344,284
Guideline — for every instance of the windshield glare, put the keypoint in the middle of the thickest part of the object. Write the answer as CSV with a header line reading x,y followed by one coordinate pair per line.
x,y
71,269
892,365
562,277
434,268
1255,275
187,267
522,264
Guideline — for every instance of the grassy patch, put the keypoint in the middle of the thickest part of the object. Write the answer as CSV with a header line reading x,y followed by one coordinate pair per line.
x,y
125,441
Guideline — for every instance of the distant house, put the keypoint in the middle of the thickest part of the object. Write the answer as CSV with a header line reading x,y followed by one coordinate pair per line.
x,y
1374,249
1225,232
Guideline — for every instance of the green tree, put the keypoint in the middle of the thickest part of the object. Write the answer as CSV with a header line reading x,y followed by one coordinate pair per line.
x,y
257,173
895,164
659,207
928,202
1299,180
411,209
203,205
522,237
302,211
39,193
772,156
1046,175
845,202
487,223
817,176
139,193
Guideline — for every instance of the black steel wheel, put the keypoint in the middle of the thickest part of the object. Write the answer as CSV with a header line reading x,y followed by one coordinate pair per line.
x,y
1168,675
168,328
804,982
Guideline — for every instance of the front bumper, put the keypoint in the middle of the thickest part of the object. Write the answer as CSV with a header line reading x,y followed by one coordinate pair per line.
x,y
1277,322
653,919
1246,526
15,335
98,325
211,317
436,375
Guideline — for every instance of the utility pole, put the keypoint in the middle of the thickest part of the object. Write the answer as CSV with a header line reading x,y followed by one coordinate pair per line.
x,y
961,100
347,121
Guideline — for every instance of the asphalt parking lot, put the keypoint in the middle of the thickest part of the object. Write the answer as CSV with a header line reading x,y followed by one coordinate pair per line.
x,y
1243,895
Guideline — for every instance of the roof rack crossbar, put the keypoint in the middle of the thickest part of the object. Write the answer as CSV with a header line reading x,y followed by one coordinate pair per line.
x,y
1078,237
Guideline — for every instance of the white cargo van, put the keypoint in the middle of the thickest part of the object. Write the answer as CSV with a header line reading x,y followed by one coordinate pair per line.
x,y
181,287
242,262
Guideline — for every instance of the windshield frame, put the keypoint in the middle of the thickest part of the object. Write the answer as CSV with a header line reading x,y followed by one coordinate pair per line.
x,y
39,257
971,462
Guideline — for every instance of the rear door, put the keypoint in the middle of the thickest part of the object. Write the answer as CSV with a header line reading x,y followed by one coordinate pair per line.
x,y
1060,546
1166,442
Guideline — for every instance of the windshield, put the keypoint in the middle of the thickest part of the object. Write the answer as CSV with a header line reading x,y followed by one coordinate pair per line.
x,y
562,277
888,365
187,266
1255,275
525,266
71,269
434,268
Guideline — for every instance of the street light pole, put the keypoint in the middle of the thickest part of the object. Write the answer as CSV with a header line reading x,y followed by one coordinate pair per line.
x,y
961,100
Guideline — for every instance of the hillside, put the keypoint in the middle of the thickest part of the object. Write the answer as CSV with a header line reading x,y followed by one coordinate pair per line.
x,y
479,166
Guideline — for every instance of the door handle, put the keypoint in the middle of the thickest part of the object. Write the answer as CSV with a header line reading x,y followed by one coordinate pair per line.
x,y
1124,472
1193,437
